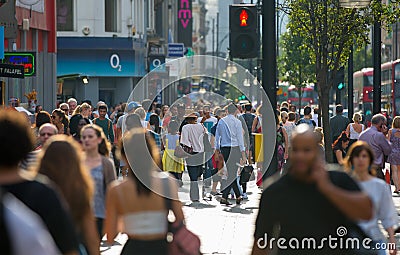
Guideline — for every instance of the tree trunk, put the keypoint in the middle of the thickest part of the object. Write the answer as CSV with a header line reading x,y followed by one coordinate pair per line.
x,y
325,123
300,90
300,97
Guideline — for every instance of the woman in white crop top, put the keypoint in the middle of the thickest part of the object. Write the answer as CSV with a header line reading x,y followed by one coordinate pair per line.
x,y
354,130
138,200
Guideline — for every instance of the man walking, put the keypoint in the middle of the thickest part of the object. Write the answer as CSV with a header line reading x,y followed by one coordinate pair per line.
x,y
105,123
309,205
375,136
338,123
208,121
229,141
307,119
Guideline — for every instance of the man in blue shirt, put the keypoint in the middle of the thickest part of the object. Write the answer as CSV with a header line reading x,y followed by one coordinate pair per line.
x,y
229,141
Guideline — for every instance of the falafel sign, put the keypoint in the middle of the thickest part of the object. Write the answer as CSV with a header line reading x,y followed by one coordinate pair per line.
x,y
12,71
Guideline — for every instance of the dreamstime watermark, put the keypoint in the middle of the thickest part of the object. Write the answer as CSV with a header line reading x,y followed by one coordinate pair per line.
x,y
341,241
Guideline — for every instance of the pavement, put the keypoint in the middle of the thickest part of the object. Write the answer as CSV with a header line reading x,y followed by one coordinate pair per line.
x,y
222,229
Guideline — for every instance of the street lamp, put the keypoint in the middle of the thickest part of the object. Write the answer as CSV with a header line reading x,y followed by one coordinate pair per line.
x,y
351,4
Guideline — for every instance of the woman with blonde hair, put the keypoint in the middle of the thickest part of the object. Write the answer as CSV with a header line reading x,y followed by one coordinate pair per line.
x,y
394,157
102,169
354,130
61,162
257,122
84,109
140,200
142,114
358,161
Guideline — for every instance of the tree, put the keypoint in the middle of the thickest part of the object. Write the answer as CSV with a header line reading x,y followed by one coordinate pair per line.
x,y
295,65
362,58
328,32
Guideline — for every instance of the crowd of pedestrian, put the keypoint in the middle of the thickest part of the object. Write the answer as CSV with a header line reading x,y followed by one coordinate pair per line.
x,y
82,170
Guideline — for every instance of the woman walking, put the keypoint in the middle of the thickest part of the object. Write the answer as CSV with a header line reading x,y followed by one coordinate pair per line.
x,y
354,130
191,137
60,121
97,150
61,163
359,161
339,148
394,157
140,200
171,164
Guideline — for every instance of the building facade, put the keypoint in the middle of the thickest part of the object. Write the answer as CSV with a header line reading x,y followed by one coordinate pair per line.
x,y
30,40
103,41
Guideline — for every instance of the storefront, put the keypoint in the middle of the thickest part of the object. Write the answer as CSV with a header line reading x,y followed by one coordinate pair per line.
x,y
110,68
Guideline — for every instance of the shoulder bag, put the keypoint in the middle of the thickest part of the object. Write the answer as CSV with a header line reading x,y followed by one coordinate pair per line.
x,y
183,151
245,173
184,242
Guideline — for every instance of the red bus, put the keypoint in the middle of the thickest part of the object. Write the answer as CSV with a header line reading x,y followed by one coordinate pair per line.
x,y
308,96
390,88
363,87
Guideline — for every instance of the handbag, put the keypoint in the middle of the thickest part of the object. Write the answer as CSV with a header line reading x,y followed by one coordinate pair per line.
x,y
246,173
184,242
183,151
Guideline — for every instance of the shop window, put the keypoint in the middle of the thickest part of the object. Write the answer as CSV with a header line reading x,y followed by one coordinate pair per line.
x,y
65,15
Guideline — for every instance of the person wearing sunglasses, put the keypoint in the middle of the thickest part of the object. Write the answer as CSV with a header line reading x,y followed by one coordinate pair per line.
x,y
60,121
65,108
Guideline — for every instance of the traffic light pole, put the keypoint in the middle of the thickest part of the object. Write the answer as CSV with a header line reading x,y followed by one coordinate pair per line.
x,y
350,96
269,72
376,51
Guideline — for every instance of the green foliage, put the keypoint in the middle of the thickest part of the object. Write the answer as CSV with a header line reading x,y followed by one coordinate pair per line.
x,y
295,64
362,58
328,32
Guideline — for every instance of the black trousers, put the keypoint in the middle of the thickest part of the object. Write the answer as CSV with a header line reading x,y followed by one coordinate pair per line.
x,y
231,156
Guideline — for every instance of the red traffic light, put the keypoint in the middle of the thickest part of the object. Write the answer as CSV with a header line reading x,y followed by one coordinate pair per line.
x,y
244,16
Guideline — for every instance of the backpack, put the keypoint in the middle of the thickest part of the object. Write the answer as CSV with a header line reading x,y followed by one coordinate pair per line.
x,y
309,122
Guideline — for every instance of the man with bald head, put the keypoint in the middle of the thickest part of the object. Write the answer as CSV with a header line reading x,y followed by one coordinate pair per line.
x,y
308,202
46,131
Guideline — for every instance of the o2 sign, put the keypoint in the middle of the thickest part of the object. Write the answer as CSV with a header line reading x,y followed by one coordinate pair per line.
x,y
115,62
155,62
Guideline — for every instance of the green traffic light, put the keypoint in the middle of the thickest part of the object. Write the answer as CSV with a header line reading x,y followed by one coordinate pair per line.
x,y
340,85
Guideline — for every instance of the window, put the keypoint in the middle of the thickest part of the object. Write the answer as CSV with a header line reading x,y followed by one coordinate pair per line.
x,y
397,72
111,15
65,15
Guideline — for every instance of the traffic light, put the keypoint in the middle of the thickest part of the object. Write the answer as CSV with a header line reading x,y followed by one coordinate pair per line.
x,y
242,97
243,31
340,79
